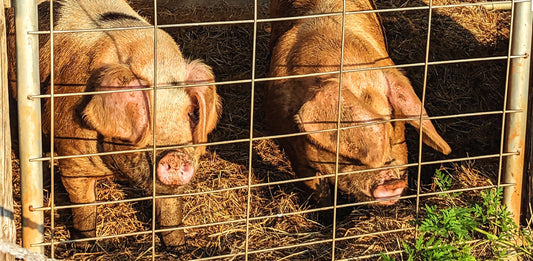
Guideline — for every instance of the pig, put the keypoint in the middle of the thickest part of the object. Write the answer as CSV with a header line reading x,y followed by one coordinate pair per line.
x,y
369,99
123,60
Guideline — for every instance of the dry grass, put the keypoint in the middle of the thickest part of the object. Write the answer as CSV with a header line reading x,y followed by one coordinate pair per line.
x,y
456,88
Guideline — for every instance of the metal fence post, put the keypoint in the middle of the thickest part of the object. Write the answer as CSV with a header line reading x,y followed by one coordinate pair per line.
x,y
29,110
518,97
7,216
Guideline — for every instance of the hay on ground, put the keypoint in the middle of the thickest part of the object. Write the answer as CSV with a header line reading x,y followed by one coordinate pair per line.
x,y
459,32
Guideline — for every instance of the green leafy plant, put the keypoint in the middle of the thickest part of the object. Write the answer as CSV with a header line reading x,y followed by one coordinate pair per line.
x,y
444,232
444,182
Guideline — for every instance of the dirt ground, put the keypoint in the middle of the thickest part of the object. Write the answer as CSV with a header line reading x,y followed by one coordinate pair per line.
x,y
280,226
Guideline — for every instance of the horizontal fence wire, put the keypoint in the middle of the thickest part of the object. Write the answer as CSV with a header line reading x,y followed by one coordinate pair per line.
x,y
266,79
248,218
265,20
467,242
259,218
161,148
283,182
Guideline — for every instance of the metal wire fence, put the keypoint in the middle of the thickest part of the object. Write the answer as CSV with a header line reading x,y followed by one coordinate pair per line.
x,y
509,157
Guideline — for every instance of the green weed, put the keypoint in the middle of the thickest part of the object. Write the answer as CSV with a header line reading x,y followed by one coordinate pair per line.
x,y
453,232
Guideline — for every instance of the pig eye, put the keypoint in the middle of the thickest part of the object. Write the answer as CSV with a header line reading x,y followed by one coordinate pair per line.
x,y
390,161
194,115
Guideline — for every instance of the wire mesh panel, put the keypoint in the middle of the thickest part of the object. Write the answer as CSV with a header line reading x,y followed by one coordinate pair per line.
x,y
129,105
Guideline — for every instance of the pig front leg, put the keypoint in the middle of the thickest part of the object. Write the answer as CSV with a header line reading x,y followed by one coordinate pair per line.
x,y
319,191
318,188
169,212
81,190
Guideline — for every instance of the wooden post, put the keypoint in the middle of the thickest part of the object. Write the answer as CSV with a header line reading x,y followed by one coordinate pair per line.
x,y
7,217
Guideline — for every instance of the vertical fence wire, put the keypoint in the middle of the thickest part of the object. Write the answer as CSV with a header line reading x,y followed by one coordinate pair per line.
x,y
52,131
422,100
154,139
251,134
505,99
338,130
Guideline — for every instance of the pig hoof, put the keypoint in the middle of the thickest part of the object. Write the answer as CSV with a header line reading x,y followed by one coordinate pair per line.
x,y
173,238
76,234
84,245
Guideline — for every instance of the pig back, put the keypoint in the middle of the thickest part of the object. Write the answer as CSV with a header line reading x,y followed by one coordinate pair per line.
x,y
313,45
293,8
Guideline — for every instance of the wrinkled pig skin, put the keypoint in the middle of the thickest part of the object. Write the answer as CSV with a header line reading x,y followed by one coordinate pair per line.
x,y
369,97
122,60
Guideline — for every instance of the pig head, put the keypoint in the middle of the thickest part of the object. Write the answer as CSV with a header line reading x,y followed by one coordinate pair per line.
x,y
369,99
132,115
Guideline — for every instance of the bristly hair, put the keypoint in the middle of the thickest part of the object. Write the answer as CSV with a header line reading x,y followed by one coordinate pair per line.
x,y
113,16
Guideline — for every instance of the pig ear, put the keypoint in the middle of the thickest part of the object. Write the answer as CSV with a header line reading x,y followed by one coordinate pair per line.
x,y
208,102
405,102
368,144
123,115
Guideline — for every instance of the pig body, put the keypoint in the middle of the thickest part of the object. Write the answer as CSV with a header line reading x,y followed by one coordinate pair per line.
x,y
115,61
369,98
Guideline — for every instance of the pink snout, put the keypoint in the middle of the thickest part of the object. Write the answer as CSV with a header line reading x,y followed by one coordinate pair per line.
x,y
175,169
389,192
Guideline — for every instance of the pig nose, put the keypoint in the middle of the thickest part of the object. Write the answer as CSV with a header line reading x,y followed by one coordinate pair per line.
x,y
389,192
175,169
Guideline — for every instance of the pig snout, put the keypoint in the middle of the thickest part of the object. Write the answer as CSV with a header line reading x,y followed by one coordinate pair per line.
x,y
175,168
389,191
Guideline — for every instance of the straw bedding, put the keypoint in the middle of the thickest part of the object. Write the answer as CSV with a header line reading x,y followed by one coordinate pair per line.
x,y
457,33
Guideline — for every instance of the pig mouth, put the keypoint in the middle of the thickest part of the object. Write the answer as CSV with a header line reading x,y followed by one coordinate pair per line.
x,y
388,192
175,169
